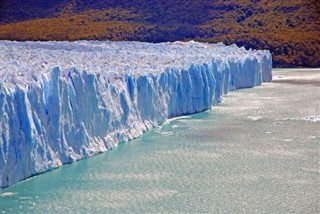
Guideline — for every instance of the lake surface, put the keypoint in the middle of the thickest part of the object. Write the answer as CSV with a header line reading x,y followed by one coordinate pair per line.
x,y
256,152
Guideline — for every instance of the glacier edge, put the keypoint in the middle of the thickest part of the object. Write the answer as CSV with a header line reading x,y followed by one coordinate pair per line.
x,y
70,115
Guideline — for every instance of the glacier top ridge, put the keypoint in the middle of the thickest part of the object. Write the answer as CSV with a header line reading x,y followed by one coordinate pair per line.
x,y
25,62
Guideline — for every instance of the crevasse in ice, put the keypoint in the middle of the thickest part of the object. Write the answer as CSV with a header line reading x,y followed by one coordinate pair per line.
x,y
64,101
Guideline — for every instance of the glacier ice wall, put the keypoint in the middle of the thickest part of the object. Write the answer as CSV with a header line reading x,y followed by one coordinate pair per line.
x,y
64,101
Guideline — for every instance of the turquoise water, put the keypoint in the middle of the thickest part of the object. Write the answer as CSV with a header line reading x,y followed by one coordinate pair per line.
x,y
256,152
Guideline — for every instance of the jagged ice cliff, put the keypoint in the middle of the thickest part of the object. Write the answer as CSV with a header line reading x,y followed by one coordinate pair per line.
x,y
64,101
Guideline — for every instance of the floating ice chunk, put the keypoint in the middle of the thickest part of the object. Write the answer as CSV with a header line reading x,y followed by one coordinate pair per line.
x,y
7,194
255,118
312,118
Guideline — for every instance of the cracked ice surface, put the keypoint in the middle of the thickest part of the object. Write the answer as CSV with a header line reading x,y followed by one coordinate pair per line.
x,y
64,101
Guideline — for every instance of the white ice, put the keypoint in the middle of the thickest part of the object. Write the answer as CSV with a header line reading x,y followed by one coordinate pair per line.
x,y
64,101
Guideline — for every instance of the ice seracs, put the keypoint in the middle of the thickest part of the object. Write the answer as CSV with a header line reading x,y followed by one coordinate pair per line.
x,y
64,101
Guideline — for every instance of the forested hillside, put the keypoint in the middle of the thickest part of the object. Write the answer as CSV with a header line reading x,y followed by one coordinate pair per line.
x,y
289,29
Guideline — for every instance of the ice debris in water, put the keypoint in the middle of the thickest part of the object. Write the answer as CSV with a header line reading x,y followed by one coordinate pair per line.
x,y
313,118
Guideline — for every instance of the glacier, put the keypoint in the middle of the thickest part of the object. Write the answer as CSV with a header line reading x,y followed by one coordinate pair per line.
x,y
64,101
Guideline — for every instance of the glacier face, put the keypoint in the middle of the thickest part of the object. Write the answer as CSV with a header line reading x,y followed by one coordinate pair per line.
x,y
64,101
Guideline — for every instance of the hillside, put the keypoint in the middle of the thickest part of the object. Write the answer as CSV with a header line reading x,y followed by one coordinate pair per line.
x,y
290,29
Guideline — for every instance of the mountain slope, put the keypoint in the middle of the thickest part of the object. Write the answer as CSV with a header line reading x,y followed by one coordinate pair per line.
x,y
290,29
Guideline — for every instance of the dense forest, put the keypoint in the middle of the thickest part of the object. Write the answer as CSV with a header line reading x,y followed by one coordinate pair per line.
x,y
289,29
